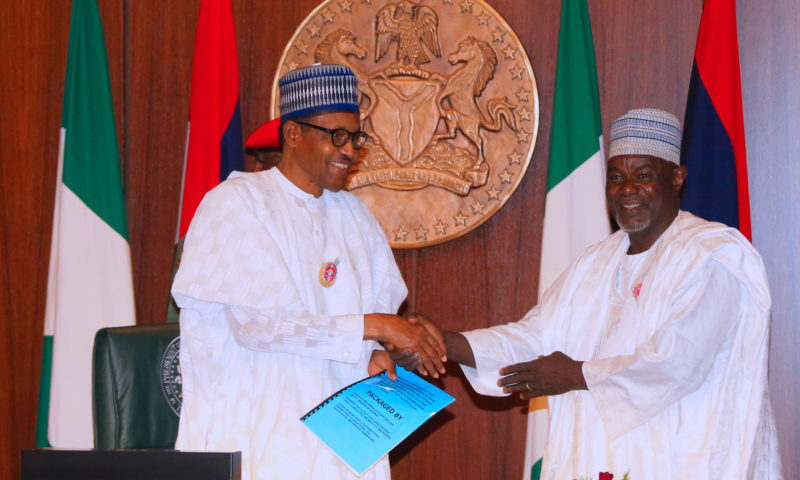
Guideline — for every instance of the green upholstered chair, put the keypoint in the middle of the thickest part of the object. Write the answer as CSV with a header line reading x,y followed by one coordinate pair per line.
x,y
136,392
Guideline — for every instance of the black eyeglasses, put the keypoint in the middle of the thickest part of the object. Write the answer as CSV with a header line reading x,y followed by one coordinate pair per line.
x,y
340,136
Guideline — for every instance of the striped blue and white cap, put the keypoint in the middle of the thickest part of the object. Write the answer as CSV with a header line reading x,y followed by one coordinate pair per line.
x,y
318,89
646,131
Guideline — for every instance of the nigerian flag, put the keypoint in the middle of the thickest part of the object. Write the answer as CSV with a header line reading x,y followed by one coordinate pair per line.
x,y
575,206
89,285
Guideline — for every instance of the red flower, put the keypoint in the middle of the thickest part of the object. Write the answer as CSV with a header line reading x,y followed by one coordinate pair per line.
x,y
606,476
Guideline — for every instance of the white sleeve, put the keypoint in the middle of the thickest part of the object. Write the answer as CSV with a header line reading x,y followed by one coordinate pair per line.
x,y
629,390
299,333
500,346
521,341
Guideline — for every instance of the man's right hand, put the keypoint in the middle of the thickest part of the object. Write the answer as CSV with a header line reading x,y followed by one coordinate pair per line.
x,y
411,337
457,348
410,360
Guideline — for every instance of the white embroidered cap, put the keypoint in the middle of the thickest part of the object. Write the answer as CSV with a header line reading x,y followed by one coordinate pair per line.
x,y
646,131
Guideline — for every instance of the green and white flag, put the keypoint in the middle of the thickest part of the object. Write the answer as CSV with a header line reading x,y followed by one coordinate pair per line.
x,y
90,282
575,206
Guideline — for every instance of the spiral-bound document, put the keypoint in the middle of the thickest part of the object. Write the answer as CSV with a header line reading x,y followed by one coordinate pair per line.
x,y
363,422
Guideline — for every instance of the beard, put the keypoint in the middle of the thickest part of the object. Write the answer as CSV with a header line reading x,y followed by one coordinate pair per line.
x,y
631,224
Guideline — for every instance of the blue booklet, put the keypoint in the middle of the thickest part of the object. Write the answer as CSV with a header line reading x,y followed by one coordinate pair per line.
x,y
363,422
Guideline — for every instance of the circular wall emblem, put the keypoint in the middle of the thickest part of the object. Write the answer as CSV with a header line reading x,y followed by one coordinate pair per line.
x,y
171,380
448,96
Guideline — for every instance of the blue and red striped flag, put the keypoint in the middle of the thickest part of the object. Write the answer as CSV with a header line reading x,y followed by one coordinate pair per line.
x,y
215,125
713,132
214,135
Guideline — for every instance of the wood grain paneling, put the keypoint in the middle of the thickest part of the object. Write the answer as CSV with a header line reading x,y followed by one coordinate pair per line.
x,y
489,276
644,53
32,50
158,63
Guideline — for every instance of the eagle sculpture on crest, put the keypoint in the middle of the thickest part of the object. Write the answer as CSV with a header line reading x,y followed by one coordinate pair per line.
x,y
411,25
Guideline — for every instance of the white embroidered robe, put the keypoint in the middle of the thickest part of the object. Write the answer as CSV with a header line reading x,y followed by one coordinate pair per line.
x,y
262,340
677,378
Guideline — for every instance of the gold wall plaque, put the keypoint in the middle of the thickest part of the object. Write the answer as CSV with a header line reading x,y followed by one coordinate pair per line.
x,y
448,96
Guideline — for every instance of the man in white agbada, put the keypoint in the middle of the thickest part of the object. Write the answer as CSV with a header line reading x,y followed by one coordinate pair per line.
x,y
285,285
652,345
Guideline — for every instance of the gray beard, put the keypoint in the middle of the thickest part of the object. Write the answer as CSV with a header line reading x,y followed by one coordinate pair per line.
x,y
632,227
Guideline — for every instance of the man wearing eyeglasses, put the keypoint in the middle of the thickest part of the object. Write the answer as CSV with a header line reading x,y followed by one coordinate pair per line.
x,y
286,285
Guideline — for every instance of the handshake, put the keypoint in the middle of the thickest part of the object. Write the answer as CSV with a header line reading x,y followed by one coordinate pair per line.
x,y
413,342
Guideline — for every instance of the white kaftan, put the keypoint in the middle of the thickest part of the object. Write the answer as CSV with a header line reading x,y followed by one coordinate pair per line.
x,y
676,368
262,340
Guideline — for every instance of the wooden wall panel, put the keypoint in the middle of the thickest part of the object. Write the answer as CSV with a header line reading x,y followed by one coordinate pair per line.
x,y
644,53
489,276
158,62
262,31
32,49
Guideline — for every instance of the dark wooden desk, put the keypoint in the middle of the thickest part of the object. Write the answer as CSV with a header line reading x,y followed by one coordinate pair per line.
x,y
53,463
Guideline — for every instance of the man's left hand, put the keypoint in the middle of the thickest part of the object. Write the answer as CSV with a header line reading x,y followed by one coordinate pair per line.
x,y
553,374
380,361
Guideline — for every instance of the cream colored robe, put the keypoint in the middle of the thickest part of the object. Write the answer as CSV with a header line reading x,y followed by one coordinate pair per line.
x,y
262,341
677,385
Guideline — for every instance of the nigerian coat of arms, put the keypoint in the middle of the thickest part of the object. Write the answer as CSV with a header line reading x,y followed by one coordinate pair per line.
x,y
448,96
